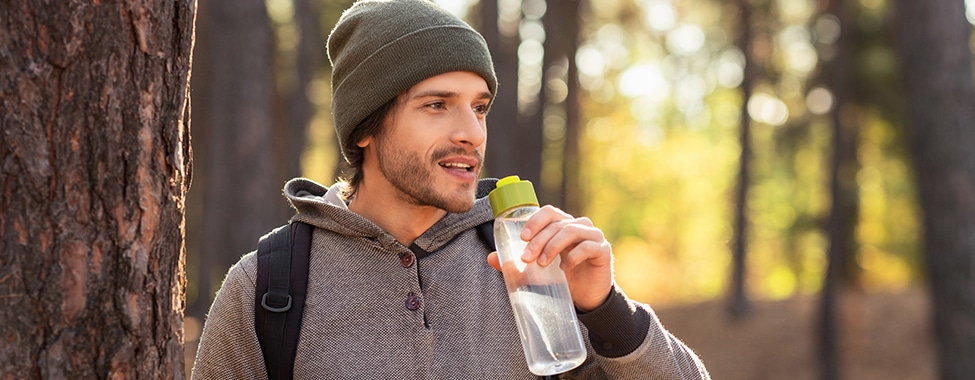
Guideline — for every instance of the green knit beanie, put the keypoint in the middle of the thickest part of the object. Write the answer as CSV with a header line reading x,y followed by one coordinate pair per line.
x,y
381,48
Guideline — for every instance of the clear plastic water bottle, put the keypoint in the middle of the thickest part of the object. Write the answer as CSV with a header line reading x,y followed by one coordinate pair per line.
x,y
539,296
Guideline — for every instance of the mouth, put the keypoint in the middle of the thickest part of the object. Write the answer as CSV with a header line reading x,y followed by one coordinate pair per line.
x,y
460,166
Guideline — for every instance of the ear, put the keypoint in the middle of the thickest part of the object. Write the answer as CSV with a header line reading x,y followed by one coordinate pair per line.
x,y
366,141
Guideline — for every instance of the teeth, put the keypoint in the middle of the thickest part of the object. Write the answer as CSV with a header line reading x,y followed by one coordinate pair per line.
x,y
455,165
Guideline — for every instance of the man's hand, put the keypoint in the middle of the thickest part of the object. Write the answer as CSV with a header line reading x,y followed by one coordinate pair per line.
x,y
587,257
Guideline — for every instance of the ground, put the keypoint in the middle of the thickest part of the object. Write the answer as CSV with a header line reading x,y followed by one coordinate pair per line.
x,y
886,336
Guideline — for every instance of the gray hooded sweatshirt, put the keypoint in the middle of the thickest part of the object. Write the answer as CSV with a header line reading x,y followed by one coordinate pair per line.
x,y
376,309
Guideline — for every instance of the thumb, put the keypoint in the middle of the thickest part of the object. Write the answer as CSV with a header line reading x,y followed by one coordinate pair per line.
x,y
493,261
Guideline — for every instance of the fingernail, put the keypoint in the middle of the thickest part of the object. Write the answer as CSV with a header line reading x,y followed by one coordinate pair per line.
x,y
525,234
527,255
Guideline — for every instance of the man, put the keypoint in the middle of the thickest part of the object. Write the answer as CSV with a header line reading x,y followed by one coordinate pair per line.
x,y
400,285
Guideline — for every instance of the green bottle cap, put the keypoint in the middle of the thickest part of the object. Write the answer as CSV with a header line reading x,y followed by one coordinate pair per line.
x,y
511,192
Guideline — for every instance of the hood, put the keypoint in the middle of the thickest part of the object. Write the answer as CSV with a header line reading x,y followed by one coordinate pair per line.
x,y
323,207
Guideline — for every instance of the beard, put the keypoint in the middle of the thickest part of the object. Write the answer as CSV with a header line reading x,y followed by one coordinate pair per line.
x,y
414,180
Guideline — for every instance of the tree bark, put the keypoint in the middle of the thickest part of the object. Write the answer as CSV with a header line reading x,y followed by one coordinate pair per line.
x,y
940,96
95,160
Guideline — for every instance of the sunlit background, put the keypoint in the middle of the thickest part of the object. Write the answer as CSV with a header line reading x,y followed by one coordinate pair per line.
x,y
660,111
660,115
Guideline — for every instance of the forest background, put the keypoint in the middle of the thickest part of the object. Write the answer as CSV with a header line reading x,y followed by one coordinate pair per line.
x,y
790,184
730,150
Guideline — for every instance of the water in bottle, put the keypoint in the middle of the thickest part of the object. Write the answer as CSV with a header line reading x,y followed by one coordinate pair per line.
x,y
539,295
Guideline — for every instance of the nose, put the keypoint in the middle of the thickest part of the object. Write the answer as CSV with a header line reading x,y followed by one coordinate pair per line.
x,y
471,129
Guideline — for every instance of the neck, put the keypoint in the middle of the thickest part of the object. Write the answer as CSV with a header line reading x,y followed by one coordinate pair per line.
x,y
388,210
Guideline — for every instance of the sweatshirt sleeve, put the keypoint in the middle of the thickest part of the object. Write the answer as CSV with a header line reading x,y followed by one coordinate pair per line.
x,y
228,347
631,343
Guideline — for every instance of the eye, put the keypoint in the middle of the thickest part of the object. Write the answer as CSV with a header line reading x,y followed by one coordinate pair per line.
x,y
481,109
438,105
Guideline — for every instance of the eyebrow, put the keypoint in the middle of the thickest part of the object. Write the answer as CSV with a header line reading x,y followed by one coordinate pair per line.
x,y
447,94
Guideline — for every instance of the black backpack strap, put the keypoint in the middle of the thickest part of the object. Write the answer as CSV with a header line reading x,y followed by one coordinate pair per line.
x,y
486,232
282,282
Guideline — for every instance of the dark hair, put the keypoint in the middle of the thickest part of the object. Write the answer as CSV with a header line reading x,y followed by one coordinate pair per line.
x,y
372,125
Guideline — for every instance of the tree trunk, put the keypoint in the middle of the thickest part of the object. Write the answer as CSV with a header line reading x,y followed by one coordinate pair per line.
x,y
95,161
562,20
844,209
234,114
299,104
739,304
526,138
507,142
940,96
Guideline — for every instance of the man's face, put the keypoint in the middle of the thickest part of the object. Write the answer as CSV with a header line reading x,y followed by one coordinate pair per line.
x,y
431,148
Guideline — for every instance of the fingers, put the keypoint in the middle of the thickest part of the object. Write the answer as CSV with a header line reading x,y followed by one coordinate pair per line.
x,y
493,260
591,251
545,216
586,256
552,232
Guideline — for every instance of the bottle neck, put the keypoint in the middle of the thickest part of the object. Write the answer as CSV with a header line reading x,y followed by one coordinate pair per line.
x,y
518,212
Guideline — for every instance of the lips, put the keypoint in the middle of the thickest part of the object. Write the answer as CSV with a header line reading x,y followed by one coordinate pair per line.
x,y
456,165
458,159
464,168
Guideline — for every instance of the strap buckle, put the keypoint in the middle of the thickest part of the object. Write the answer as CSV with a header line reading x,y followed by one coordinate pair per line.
x,y
275,309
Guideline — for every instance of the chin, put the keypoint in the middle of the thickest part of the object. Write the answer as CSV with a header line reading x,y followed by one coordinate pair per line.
x,y
459,204
458,207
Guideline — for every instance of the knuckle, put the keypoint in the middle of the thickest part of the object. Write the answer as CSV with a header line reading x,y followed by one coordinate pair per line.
x,y
589,246
556,211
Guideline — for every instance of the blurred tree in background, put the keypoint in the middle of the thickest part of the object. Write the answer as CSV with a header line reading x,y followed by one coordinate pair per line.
x,y
233,92
936,62
257,90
